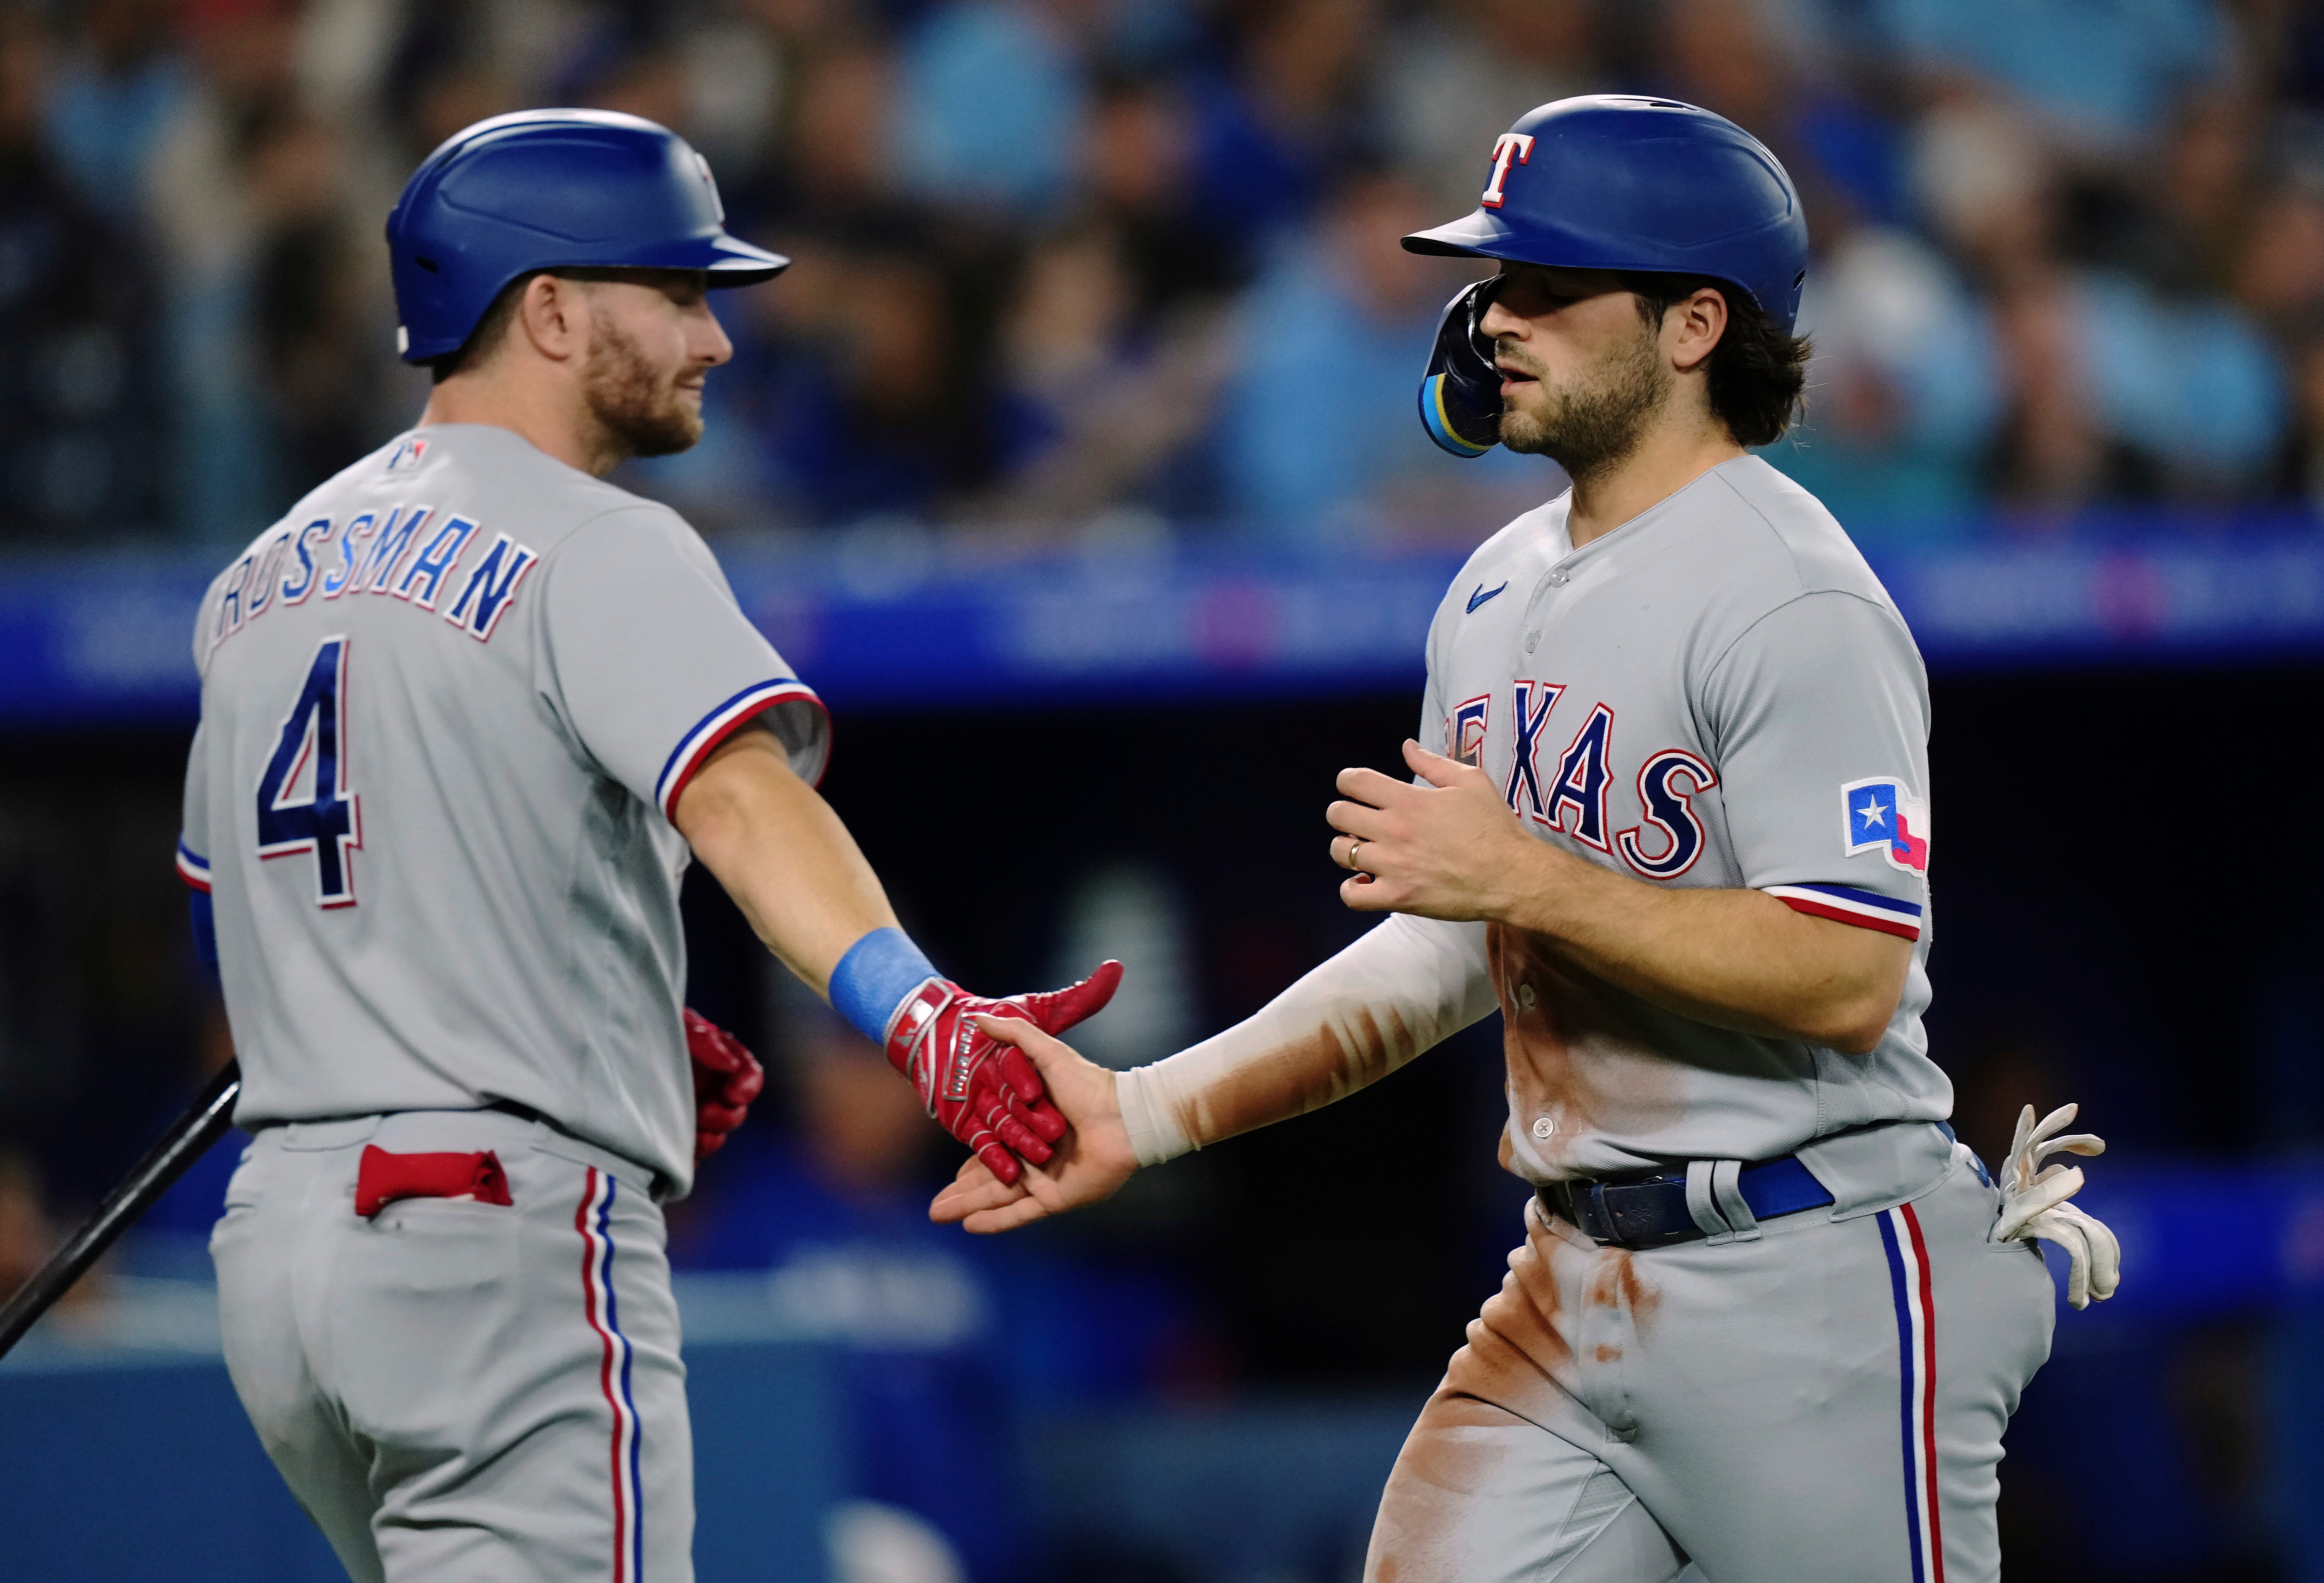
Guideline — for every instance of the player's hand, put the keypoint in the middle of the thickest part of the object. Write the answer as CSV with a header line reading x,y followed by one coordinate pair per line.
x,y
2034,1205
726,1078
981,1090
1090,1162
1449,850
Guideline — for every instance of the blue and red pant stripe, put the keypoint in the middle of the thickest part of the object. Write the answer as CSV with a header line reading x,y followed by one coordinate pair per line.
x,y
1916,1356
593,1219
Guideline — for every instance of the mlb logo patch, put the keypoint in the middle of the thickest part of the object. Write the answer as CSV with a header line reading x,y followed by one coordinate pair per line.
x,y
1880,816
407,456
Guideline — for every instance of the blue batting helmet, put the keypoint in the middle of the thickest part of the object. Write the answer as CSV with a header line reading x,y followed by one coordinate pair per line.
x,y
544,190
1611,181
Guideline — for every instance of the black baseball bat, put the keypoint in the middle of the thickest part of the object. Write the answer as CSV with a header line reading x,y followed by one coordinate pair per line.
x,y
189,1138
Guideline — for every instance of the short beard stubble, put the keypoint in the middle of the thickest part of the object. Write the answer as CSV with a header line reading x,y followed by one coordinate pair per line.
x,y
641,411
1593,425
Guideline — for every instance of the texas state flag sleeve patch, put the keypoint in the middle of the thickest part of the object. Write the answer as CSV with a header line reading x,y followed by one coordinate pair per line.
x,y
1880,816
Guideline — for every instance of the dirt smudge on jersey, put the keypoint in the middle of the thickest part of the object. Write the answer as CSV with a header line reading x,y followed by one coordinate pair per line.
x,y
1608,1354
1579,1053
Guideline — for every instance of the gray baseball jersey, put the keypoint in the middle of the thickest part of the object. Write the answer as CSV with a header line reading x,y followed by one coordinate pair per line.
x,y
448,705
1717,693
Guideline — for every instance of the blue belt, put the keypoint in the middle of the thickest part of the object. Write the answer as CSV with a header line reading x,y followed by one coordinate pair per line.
x,y
1652,1212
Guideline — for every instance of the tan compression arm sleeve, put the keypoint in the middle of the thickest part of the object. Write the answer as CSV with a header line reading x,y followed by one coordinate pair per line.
x,y
1407,985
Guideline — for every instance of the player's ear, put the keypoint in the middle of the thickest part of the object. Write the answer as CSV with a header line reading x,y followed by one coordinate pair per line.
x,y
553,316
1691,328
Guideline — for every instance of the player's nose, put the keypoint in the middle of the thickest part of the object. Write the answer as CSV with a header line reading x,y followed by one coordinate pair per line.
x,y
1499,321
707,339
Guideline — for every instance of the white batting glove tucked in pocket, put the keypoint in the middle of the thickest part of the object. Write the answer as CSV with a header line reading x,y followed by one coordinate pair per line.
x,y
2033,1204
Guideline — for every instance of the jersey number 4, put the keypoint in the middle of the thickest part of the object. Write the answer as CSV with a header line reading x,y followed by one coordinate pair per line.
x,y
299,813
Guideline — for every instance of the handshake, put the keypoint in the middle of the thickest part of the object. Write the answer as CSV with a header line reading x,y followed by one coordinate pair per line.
x,y
990,1072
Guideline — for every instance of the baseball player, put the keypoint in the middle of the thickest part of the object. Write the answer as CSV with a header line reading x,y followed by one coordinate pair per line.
x,y
466,711
1768,1317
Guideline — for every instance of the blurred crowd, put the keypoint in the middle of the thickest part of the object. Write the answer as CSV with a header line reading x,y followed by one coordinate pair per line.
x,y
1065,261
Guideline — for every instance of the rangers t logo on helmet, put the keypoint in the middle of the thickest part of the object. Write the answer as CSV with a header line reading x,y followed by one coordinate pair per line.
x,y
1508,143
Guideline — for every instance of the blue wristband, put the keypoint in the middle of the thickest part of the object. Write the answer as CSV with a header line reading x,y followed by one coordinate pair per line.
x,y
875,977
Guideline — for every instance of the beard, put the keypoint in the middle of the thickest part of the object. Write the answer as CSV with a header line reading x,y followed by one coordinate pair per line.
x,y
638,406
1591,424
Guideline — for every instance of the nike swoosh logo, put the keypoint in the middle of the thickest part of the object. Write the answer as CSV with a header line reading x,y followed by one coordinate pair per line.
x,y
1482,596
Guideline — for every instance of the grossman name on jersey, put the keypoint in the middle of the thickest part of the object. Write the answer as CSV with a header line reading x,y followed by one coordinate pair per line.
x,y
403,552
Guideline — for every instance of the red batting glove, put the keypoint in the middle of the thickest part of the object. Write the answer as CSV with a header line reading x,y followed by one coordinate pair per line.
x,y
982,1091
726,1078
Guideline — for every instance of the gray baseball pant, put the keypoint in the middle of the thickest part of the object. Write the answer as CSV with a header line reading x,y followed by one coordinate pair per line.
x,y
1823,1403
457,1391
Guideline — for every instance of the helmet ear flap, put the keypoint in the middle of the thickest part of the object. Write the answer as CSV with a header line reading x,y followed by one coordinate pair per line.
x,y
1461,394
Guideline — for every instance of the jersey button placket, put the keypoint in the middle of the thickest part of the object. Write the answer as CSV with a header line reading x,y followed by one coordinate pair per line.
x,y
1556,578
